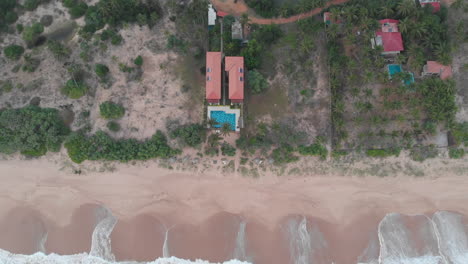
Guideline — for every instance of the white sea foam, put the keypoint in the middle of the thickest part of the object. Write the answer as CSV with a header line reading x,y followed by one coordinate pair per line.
x,y
101,243
40,258
240,249
453,237
299,241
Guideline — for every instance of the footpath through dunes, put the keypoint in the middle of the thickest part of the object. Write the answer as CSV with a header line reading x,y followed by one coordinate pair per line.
x,y
240,7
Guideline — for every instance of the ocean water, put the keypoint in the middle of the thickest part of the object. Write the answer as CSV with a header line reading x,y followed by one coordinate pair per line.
x,y
400,239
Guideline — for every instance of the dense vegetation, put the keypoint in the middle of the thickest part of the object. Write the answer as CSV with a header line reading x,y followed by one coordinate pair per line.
x,y
31,130
270,8
7,14
192,135
117,12
101,146
111,110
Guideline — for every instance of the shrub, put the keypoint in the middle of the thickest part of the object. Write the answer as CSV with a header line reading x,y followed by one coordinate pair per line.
x,y
424,152
138,61
228,150
30,63
31,33
257,82
113,126
69,3
116,39
102,147
382,153
173,42
78,10
284,155
315,149
31,5
192,135
6,86
460,133
456,153
13,52
74,89
47,20
101,70
11,17
59,50
110,110
19,28
31,130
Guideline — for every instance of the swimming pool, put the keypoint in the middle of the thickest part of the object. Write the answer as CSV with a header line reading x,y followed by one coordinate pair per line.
x,y
222,117
393,68
396,68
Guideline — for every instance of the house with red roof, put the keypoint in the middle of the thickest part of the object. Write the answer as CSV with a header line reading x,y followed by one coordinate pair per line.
x,y
388,37
213,77
434,3
234,67
433,68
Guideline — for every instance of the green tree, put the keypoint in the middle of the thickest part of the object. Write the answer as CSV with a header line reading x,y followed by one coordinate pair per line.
x,y
13,52
31,5
110,110
191,134
113,126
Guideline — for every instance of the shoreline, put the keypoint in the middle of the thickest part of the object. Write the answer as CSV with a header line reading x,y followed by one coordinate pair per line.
x,y
148,200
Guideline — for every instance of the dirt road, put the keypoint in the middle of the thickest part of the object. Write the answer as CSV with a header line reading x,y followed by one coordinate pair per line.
x,y
237,9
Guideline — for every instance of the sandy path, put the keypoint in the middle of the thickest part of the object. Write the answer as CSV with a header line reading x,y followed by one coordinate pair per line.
x,y
237,9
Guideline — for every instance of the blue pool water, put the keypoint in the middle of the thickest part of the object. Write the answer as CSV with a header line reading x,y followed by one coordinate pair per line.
x,y
222,117
396,68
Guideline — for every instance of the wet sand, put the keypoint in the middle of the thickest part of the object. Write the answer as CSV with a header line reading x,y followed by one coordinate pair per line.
x,y
203,212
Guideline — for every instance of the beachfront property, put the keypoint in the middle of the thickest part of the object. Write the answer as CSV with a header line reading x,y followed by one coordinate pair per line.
x,y
235,71
213,77
433,68
225,107
389,37
434,3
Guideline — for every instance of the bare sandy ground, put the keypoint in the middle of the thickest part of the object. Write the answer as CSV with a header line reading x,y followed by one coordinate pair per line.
x,y
204,209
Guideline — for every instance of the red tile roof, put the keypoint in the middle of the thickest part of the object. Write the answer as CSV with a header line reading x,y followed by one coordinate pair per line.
x,y
235,68
213,76
392,41
221,14
435,6
383,21
444,71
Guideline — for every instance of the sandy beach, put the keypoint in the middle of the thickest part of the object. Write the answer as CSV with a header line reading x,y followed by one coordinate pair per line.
x,y
203,211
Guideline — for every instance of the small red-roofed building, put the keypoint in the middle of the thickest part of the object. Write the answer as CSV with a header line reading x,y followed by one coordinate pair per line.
x,y
388,37
213,77
434,3
234,67
433,68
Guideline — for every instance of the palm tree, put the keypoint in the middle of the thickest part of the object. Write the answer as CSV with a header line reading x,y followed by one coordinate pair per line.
x,y
226,129
386,11
211,122
213,140
244,20
405,25
406,8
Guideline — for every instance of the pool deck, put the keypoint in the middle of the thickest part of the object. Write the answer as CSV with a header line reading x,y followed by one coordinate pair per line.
x,y
227,110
